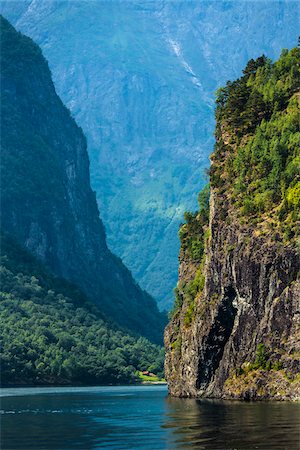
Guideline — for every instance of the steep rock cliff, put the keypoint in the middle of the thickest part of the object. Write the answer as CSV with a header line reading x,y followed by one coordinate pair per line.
x,y
235,326
47,201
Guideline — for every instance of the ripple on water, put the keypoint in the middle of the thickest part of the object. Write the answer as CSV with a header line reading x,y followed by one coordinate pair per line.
x,y
141,417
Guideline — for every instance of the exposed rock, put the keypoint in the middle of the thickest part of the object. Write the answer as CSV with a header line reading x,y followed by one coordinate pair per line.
x,y
251,296
238,335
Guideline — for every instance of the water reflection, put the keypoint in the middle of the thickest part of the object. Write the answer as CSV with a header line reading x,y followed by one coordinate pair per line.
x,y
141,417
209,424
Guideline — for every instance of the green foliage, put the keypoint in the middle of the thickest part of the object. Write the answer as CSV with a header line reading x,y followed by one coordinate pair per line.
x,y
293,195
262,362
191,291
149,379
193,235
262,358
260,111
196,285
192,232
176,345
52,335
190,313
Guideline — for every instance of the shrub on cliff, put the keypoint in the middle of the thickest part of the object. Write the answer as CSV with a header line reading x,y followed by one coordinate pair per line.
x,y
260,116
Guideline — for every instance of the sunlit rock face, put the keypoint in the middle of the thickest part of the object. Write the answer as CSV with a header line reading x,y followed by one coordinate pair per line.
x,y
139,77
251,295
234,329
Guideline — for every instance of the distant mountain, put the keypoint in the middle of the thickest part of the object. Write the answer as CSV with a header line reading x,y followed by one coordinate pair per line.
x,y
139,77
47,203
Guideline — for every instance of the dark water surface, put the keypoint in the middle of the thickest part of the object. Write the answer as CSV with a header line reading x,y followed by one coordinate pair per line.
x,y
140,417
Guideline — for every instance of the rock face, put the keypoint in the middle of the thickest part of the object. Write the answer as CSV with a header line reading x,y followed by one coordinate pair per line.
x,y
139,79
237,335
251,296
47,201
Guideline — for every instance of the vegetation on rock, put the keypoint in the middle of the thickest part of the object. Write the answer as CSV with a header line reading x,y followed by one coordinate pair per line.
x,y
257,156
193,235
238,337
150,129
192,232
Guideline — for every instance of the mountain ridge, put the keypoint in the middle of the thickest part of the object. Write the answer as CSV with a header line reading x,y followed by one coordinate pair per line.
x,y
47,201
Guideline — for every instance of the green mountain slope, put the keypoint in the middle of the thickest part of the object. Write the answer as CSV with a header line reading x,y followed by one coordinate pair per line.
x,y
47,201
51,333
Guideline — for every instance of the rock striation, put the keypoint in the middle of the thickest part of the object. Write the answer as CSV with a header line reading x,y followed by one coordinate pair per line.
x,y
251,296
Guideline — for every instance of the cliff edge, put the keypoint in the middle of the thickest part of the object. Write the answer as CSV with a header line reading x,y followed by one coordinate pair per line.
x,y
234,330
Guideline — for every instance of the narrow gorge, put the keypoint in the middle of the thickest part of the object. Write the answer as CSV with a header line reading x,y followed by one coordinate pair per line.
x,y
47,201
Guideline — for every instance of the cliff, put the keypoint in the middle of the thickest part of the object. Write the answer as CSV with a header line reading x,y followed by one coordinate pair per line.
x,y
47,202
234,331
139,79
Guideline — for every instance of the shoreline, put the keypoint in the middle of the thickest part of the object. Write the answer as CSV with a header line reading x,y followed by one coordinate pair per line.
x,y
24,386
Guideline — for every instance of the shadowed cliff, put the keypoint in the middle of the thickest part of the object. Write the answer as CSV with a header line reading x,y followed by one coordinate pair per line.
x,y
47,201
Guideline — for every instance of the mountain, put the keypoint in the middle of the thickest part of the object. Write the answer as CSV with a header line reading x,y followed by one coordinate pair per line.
x,y
52,335
234,331
140,78
47,203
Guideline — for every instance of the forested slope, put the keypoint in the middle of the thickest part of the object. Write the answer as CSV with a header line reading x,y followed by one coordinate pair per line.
x,y
139,78
51,333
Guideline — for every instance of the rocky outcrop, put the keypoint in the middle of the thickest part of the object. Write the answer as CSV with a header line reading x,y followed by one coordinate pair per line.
x,y
251,297
47,201
235,328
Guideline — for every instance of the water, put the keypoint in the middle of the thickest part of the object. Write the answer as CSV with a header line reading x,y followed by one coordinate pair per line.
x,y
140,417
